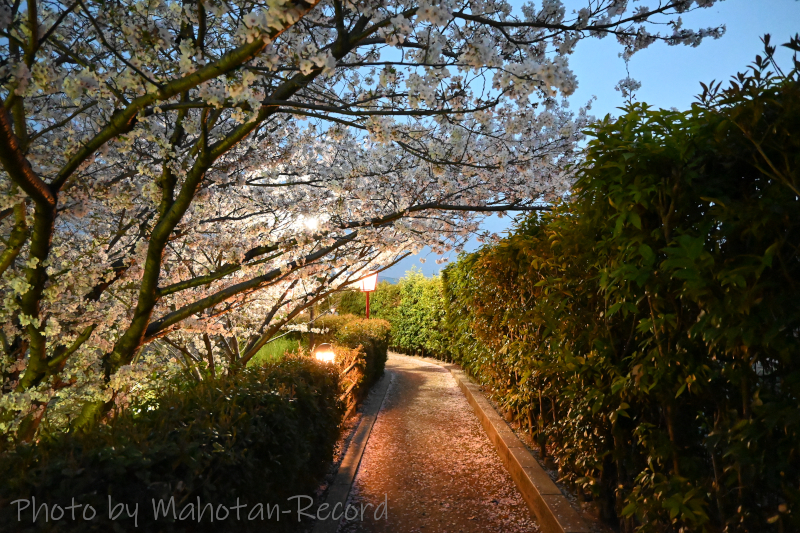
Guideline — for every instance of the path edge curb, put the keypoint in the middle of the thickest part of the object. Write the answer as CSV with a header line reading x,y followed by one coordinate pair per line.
x,y
552,509
342,483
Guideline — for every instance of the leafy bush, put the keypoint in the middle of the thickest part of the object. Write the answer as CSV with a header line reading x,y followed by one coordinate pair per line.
x,y
382,302
261,435
460,281
353,332
647,331
352,302
417,319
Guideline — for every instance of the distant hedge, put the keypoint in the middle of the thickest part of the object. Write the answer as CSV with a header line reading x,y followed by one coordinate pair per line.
x,y
261,435
414,309
417,318
353,332
382,302
648,331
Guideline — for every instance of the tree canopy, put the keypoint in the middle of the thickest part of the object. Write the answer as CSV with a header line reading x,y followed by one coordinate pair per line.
x,y
196,173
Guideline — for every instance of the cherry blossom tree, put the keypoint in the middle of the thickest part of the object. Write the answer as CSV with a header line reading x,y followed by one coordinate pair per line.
x,y
196,173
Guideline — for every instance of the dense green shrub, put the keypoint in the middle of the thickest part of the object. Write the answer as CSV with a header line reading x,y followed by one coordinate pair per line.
x,y
373,335
352,302
648,331
261,435
382,302
353,332
417,319
459,285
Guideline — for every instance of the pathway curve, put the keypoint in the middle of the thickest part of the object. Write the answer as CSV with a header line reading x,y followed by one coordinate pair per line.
x,y
429,457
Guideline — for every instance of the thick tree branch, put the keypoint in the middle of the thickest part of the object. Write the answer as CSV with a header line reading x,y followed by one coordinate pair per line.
x,y
18,167
239,288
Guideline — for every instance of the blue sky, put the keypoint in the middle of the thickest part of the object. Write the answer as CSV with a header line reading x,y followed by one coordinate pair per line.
x,y
670,75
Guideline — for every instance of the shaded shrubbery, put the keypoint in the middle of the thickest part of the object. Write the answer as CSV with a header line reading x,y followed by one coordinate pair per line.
x,y
261,435
413,307
648,331
371,336
417,318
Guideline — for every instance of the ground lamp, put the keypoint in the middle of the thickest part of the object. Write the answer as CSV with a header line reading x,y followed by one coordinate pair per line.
x,y
368,285
324,353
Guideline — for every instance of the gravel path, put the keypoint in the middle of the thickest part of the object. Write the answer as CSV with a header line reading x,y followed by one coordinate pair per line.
x,y
430,459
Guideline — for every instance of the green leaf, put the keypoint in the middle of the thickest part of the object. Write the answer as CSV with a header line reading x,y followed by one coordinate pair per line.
x,y
647,253
629,509
634,218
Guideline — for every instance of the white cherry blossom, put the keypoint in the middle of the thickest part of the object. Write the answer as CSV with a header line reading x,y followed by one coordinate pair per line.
x,y
181,179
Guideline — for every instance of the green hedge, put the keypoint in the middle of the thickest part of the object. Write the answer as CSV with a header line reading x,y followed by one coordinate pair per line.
x,y
262,435
414,308
354,332
417,321
382,302
648,331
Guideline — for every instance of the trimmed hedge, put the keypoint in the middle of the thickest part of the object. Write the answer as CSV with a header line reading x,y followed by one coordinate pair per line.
x,y
354,367
382,302
413,307
417,321
648,331
261,435
353,332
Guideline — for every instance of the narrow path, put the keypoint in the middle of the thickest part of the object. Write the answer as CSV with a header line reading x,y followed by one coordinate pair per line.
x,y
431,460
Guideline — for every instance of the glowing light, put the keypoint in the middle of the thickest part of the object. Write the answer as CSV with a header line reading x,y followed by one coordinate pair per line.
x,y
324,353
311,223
369,283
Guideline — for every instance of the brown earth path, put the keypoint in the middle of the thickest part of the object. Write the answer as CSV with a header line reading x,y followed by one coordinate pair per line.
x,y
431,460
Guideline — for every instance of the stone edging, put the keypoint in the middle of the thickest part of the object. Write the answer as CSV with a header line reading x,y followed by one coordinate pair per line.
x,y
551,507
340,488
